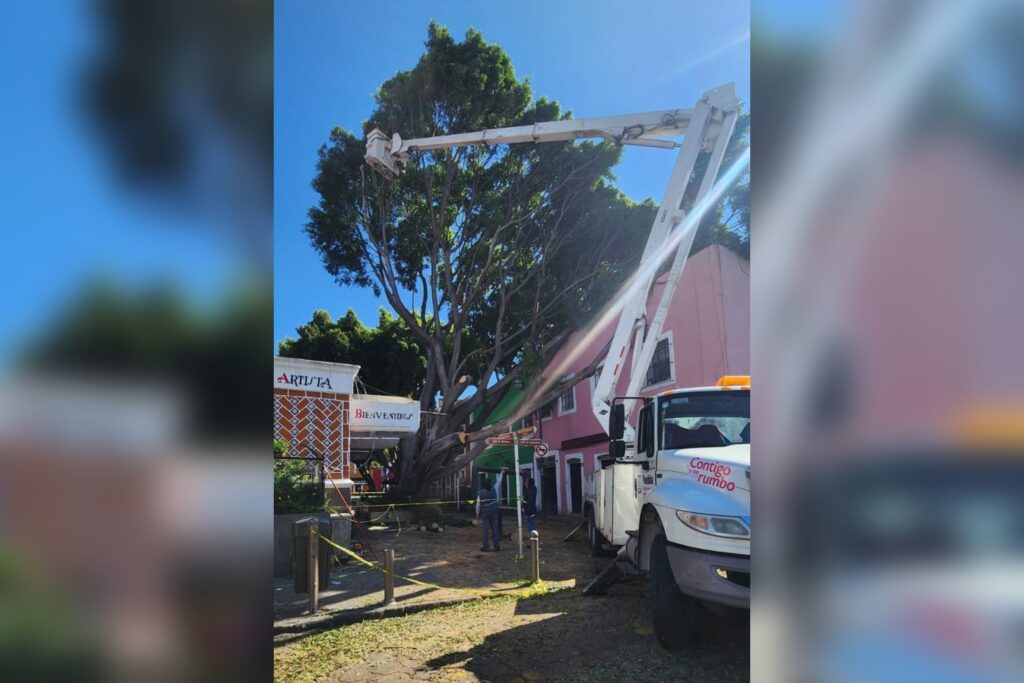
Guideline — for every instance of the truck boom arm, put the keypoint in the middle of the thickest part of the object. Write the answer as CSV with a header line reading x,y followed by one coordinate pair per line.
x,y
633,330
708,125
388,156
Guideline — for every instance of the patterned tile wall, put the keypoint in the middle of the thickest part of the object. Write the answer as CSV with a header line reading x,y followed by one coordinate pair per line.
x,y
314,424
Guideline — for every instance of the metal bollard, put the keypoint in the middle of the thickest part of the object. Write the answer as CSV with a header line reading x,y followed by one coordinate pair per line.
x,y
389,577
535,559
313,567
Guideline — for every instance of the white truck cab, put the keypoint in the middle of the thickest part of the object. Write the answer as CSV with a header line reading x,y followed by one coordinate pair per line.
x,y
679,501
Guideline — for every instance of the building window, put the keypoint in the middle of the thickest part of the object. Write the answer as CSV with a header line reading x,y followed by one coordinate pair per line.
x,y
660,369
547,411
567,402
528,420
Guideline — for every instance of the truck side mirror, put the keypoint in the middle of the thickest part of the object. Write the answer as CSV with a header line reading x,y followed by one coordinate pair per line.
x,y
617,421
617,449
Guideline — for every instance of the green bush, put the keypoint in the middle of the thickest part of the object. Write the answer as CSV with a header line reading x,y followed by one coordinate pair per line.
x,y
295,489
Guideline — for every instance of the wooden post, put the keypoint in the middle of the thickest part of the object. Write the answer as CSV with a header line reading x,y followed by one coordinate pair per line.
x,y
389,576
535,559
313,566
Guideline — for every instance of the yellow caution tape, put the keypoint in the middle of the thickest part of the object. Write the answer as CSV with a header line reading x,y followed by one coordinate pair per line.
x,y
399,576
404,505
471,501
335,511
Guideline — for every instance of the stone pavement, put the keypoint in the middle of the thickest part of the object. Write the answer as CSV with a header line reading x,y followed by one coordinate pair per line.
x,y
451,558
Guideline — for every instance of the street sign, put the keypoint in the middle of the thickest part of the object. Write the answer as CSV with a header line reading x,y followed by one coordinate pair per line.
x,y
525,432
540,447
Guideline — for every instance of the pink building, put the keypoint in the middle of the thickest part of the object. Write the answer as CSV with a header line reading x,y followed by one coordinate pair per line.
x,y
706,335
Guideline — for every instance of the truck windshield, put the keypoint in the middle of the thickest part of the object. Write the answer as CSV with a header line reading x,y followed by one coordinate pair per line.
x,y
704,419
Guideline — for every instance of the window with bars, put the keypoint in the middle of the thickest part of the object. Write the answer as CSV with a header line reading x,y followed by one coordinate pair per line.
x,y
567,402
547,411
660,369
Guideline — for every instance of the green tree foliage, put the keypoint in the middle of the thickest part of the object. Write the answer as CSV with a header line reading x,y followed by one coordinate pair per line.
x,y
490,255
389,359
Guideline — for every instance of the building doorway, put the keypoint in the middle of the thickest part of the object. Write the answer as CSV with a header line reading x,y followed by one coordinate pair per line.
x,y
548,488
576,486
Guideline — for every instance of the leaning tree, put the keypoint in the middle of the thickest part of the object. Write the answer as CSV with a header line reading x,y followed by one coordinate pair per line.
x,y
490,255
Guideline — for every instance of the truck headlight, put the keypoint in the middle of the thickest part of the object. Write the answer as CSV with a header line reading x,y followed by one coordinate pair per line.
x,y
731,527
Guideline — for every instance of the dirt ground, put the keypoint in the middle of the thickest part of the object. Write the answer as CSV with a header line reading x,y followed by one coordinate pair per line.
x,y
557,636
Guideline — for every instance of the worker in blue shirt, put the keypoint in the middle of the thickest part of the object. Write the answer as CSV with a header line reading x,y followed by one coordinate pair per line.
x,y
487,509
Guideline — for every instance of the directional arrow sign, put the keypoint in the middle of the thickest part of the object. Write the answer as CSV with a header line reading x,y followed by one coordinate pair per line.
x,y
499,441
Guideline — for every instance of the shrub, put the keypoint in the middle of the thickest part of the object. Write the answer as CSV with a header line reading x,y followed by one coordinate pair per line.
x,y
296,490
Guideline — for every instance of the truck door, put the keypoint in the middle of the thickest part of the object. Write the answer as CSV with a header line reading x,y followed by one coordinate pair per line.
x,y
646,449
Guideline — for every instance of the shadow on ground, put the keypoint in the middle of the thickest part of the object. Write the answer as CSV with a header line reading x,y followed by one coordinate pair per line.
x,y
571,637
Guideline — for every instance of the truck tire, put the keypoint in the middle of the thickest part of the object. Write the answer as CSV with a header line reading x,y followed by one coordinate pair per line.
x,y
594,538
676,615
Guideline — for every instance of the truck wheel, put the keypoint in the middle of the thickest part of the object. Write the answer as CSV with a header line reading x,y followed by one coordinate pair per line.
x,y
594,539
676,615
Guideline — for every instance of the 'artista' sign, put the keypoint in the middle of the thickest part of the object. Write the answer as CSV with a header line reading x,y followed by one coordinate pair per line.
x,y
305,381
300,374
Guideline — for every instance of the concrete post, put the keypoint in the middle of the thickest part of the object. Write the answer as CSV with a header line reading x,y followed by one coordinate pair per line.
x,y
313,566
389,576
535,559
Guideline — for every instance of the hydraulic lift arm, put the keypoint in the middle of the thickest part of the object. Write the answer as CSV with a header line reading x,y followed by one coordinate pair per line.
x,y
389,156
706,126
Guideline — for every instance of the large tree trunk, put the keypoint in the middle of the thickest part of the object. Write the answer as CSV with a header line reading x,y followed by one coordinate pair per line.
x,y
442,448
408,479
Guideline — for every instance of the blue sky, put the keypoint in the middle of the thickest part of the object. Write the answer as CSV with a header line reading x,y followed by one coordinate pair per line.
x,y
595,58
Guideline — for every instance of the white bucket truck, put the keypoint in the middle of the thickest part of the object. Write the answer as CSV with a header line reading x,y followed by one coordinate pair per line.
x,y
678,503
704,481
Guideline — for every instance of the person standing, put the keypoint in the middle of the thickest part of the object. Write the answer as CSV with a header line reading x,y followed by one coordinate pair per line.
x,y
530,505
487,511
